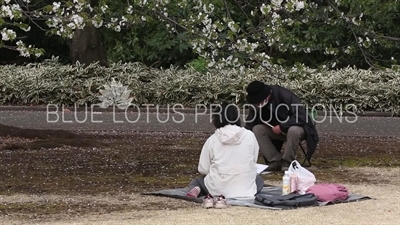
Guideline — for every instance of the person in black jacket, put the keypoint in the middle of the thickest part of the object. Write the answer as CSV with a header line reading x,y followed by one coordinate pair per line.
x,y
278,115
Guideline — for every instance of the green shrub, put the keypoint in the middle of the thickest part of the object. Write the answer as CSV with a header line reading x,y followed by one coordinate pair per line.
x,y
199,64
41,84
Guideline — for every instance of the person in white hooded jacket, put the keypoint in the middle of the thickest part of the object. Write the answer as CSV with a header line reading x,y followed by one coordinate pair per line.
x,y
228,159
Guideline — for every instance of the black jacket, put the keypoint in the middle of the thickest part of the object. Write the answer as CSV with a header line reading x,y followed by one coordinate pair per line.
x,y
291,112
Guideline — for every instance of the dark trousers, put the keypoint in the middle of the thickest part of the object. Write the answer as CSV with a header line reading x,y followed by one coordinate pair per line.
x,y
265,135
199,182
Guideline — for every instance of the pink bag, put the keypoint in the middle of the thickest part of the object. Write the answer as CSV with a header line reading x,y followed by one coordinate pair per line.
x,y
329,192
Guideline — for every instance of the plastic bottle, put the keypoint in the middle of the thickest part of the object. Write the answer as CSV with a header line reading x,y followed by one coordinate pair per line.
x,y
293,183
286,183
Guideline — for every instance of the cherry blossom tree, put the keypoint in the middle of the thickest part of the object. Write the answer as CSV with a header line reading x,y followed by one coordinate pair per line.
x,y
227,33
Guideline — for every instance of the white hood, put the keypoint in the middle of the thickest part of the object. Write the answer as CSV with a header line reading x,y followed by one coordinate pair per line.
x,y
230,134
228,159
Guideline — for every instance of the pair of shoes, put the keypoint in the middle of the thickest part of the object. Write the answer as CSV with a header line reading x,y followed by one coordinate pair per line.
x,y
208,201
285,165
218,203
274,166
193,193
281,165
221,203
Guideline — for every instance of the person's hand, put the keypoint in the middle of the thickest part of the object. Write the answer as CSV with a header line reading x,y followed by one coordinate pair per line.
x,y
277,129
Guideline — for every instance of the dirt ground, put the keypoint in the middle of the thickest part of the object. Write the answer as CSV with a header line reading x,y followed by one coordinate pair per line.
x,y
61,177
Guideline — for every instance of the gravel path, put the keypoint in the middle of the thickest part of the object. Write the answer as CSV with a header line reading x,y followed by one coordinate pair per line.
x,y
351,126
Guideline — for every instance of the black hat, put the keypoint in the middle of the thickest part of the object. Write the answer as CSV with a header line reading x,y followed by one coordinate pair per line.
x,y
257,91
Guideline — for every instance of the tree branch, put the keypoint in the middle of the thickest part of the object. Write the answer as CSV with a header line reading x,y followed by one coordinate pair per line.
x,y
228,14
30,19
10,47
170,20
242,10
368,60
390,38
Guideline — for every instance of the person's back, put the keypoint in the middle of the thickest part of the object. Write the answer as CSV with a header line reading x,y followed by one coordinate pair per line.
x,y
233,151
227,162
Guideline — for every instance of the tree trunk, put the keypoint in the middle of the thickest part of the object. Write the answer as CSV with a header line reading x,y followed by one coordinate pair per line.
x,y
86,46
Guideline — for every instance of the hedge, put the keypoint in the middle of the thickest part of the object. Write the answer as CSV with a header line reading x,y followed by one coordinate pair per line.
x,y
50,82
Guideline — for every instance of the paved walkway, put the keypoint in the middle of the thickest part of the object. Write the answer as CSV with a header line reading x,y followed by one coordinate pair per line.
x,y
359,126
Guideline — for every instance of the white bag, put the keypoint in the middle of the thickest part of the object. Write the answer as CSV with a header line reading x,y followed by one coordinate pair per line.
x,y
305,178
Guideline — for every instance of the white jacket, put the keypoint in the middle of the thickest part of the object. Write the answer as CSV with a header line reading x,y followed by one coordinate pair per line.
x,y
228,159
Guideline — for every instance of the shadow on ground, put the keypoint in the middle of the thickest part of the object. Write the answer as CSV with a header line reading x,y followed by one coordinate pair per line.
x,y
40,139
66,163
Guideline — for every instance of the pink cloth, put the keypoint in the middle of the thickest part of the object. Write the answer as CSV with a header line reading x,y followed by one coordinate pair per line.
x,y
329,192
